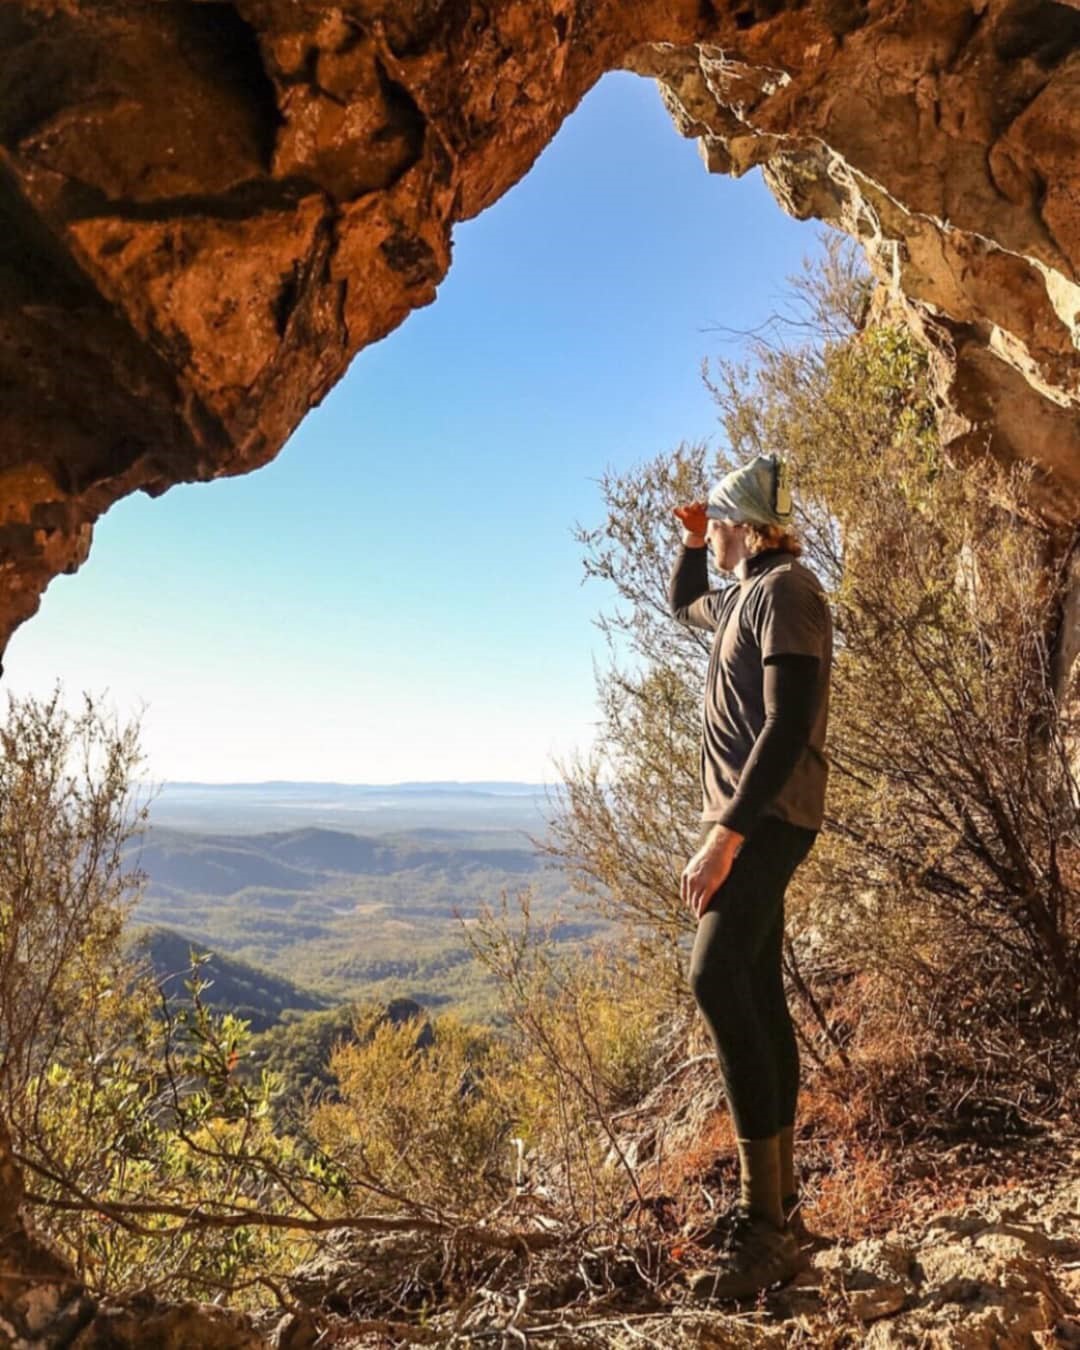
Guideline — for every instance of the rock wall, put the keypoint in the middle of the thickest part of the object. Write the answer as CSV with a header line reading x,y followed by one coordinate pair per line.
x,y
207,209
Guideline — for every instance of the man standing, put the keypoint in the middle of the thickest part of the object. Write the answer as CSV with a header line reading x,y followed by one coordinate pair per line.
x,y
763,775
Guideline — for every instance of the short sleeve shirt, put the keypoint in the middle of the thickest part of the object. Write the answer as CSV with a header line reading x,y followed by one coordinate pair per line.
x,y
778,607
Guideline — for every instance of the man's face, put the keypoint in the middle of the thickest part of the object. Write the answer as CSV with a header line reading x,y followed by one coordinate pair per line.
x,y
725,538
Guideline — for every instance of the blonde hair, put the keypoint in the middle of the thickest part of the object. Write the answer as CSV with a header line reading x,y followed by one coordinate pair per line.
x,y
761,537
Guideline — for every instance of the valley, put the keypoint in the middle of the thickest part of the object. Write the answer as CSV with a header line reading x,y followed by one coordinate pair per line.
x,y
342,914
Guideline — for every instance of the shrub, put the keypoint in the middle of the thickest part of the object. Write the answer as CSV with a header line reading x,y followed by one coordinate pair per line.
x,y
415,1118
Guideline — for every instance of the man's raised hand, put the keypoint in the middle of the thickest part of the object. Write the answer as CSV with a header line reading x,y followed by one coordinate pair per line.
x,y
693,518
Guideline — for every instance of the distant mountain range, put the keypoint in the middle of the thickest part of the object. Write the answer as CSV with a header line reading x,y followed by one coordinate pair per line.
x,y
309,859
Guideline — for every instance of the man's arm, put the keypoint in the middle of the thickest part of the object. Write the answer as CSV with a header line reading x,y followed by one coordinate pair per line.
x,y
789,683
689,597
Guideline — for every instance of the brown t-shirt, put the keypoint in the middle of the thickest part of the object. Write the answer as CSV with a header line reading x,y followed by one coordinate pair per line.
x,y
781,609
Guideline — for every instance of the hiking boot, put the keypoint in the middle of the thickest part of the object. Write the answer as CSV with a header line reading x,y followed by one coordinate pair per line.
x,y
756,1255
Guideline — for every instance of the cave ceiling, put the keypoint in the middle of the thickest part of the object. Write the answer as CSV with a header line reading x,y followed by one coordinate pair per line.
x,y
207,210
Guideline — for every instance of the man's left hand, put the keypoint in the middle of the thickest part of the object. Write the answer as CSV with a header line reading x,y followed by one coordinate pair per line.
x,y
708,869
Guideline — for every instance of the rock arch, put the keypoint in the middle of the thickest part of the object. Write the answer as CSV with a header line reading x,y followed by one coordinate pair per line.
x,y
207,209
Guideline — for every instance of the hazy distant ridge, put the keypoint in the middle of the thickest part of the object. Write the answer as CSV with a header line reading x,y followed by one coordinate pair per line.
x,y
366,808
452,786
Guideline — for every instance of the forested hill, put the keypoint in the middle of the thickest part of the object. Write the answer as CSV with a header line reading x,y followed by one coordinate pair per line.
x,y
258,996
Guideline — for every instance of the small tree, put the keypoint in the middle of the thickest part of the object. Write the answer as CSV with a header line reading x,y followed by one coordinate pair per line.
x,y
66,814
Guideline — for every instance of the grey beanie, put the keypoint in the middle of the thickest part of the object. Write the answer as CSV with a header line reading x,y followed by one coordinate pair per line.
x,y
758,493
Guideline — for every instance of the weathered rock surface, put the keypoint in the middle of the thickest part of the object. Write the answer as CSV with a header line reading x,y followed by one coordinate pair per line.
x,y
181,1326
1000,1275
207,209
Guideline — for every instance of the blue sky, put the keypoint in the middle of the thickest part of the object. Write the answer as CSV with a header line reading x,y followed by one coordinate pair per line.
x,y
398,595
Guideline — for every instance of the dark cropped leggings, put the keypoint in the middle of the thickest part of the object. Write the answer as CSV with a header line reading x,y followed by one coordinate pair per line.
x,y
736,977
